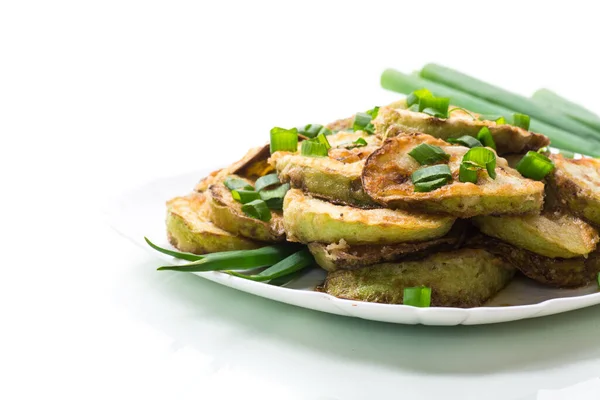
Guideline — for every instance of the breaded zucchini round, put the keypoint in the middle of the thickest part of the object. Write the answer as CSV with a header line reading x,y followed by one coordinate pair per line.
x,y
460,278
551,234
307,220
189,228
227,214
387,180
576,184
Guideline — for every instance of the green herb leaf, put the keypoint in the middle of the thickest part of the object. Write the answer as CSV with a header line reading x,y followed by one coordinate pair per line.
x,y
237,259
284,139
485,137
266,181
287,266
244,196
466,141
535,166
257,209
521,120
172,253
417,296
274,198
360,142
237,184
426,154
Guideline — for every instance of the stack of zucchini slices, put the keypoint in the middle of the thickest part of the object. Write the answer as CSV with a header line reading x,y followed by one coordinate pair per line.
x,y
417,203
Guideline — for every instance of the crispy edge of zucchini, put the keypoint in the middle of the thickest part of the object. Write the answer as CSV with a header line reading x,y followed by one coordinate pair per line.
x,y
227,214
461,278
189,228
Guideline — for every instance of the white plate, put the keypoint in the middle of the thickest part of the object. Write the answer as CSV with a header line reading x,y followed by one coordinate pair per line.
x,y
141,212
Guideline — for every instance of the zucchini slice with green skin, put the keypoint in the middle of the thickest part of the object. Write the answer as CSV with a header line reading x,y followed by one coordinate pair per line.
x,y
227,214
576,185
559,272
307,219
341,255
551,234
252,166
387,180
336,178
460,278
190,229
508,138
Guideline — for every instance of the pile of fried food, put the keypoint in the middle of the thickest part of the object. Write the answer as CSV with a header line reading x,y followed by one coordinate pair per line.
x,y
410,195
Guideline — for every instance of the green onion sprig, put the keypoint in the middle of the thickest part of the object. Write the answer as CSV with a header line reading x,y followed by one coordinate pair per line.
x,y
177,254
237,184
474,160
312,130
257,209
535,166
287,266
467,141
417,296
266,181
431,178
485,137
274,197
284,139
311,148
427,154
245,196
521,120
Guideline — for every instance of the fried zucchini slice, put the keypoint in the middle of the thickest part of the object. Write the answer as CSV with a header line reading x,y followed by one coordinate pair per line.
x,y
559,272
551,234
189,228
227,214
576,184
387,179
460,278
508,138
341,255
336,178
252,166
307,219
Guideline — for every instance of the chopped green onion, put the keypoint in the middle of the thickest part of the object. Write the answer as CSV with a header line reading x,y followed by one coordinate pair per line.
x,y
361,120
413,108
176,254
257,209
266,181
312,148
417,296
463,110
286,279
237,184
501,121
360,142
312,130
237,259
430,185
467,141
416,96
287,266
427,154
521,120
435,106
284,139
370,128
274,197
321,138
475,159
535,166
245,196
432,173
485,137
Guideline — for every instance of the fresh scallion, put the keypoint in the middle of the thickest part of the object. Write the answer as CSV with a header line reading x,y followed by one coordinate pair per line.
x,y
535,166
521,120
485,137
172,253
312,130
500,121
361,120
416,96
266,181
432,173
237,259
417,296
435,106
245,196
467,141
237,184
370,128
427,154
257,209
475,159
274,197
284,139
428,186
321,138
312,148
360,142
287,266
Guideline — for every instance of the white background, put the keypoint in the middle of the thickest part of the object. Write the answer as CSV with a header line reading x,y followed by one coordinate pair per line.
x,y
97,97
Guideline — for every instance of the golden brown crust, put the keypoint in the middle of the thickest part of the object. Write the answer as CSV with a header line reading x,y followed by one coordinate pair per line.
x,y
387,174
